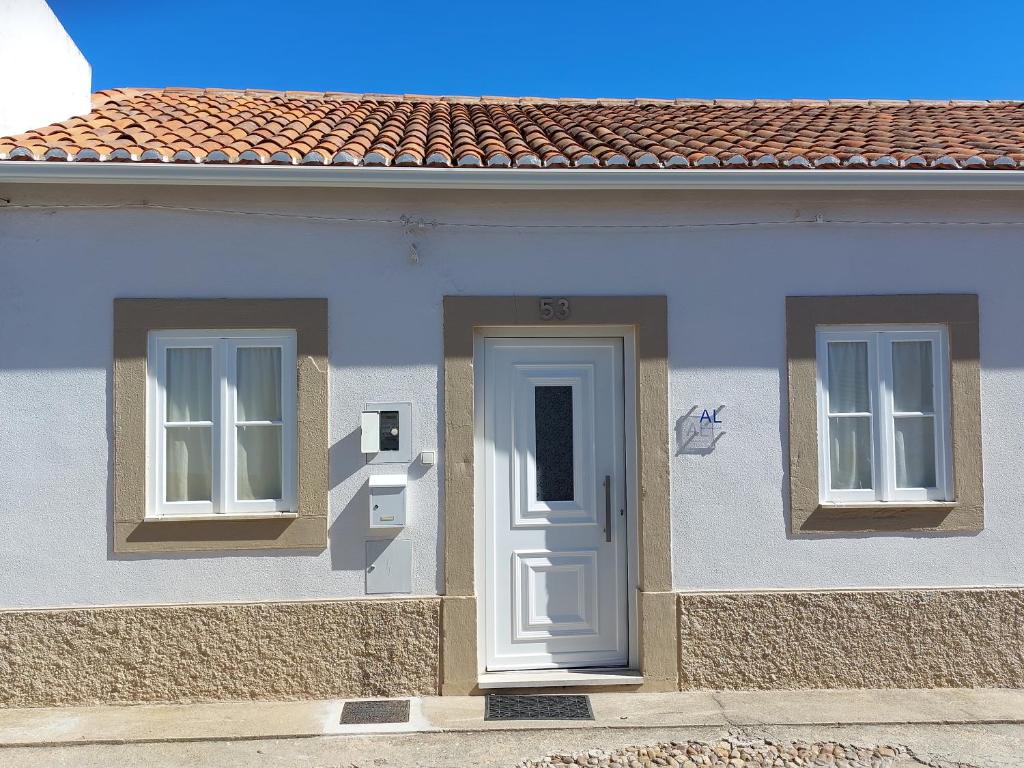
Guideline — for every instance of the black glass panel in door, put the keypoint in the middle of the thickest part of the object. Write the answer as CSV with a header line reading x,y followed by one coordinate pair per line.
x,y
553,452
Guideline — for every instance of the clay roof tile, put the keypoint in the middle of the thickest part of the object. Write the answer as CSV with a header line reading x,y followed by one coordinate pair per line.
x,y
313,128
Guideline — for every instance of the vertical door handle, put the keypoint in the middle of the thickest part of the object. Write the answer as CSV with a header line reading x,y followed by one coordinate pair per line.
x,y
607,507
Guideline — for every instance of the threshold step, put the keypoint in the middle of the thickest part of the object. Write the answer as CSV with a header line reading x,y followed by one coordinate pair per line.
x,y
551,678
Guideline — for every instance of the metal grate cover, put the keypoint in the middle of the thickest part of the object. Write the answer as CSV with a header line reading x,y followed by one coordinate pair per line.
x,y
367,712
547,707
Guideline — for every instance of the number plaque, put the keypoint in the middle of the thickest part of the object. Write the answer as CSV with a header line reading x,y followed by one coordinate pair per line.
x,y
554,309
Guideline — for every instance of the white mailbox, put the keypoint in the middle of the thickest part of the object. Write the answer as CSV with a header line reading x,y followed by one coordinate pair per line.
x,y
387,501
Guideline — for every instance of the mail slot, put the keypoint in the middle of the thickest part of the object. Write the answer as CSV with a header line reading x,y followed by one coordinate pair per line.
x,y
387,501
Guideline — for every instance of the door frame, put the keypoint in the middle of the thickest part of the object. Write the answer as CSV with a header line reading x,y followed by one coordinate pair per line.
x,y
656,623
629,438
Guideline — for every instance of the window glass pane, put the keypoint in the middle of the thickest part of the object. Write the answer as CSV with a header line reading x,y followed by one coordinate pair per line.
x,y
912,376
189,468
554,449
850,452
259,463
259,383
848,377
189,384
915,452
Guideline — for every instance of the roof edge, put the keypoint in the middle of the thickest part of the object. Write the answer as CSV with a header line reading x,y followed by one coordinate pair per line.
x,y
598,179
113,95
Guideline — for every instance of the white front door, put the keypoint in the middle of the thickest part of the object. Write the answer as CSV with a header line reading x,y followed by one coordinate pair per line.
x,y
554,468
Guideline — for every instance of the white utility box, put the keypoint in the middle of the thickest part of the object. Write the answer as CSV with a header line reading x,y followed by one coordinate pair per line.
x,y
369,431
388,566
387,501
386,433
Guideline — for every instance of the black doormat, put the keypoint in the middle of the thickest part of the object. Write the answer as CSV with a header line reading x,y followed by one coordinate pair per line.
x,y
368,712
550,707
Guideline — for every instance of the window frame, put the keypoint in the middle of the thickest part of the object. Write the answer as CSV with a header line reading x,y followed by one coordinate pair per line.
x,y
880,340
224,344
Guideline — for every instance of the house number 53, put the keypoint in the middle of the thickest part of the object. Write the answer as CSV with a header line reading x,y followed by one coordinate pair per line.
x,y
554,309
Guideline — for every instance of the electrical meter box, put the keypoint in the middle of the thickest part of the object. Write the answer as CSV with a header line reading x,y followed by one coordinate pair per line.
x,y
388,567
387,501
386,433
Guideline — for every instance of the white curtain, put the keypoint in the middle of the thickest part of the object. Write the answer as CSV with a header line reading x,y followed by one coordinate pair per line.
x,y
915,452
850,452
259,383
189,468
189,398
848,377
912,376
259,463
189,384
259,399
914,436
849,436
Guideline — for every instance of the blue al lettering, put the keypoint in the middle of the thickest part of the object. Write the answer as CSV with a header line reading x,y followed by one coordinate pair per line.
x,y
710,418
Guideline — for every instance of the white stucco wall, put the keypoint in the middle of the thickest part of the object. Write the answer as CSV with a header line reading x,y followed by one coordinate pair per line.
x,y
60,271
45,77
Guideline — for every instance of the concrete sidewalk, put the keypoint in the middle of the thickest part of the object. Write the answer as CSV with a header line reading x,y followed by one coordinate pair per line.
x,y
714,710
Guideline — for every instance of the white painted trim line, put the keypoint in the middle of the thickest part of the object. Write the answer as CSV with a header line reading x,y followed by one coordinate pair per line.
x,y
551,678
507,178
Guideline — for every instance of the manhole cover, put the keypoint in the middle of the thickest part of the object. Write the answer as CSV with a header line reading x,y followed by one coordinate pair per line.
x,y
501,707
366,712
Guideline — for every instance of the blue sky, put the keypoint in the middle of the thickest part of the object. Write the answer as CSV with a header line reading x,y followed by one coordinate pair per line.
x,y
738,49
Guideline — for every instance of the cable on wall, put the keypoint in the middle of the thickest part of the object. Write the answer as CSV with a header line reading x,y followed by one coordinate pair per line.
x,y
413,225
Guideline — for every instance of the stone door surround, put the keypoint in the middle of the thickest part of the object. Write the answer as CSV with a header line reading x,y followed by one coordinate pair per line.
x,y
656,604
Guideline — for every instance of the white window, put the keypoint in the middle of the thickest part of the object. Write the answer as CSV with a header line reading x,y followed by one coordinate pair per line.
x,y
883,414
221,423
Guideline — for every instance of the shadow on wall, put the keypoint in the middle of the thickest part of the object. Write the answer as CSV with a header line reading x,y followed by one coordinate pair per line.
x,y
348,533
109,395
345,458
787,517
350,529
199,554
439,542
935,517
698,432
204,554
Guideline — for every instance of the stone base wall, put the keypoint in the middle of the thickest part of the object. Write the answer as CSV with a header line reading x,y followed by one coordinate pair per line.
x,y
966,638
170,654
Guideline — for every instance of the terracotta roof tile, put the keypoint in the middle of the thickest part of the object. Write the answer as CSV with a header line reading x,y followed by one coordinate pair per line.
x,y
188,125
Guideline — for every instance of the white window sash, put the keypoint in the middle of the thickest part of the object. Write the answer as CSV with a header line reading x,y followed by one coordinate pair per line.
x,y
224,501
881,402
852,495
287,423
156,399
940,415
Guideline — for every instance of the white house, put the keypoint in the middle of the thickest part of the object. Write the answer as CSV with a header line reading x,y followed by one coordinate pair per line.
x,y
316,395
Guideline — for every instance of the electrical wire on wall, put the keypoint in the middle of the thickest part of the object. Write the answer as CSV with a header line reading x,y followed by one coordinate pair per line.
x,y
414,225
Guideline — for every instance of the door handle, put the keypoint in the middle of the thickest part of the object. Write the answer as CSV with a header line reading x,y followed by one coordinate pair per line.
x,y
607,507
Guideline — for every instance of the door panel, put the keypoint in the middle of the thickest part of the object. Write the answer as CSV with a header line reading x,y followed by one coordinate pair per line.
x,y
554,456
555,576
552,594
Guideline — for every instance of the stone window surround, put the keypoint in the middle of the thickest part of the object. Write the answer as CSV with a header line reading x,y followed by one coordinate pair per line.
x,y
133,319
959,314
648,316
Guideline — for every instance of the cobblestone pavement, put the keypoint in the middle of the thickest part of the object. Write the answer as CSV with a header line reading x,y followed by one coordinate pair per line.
x,y
939,746
730,753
